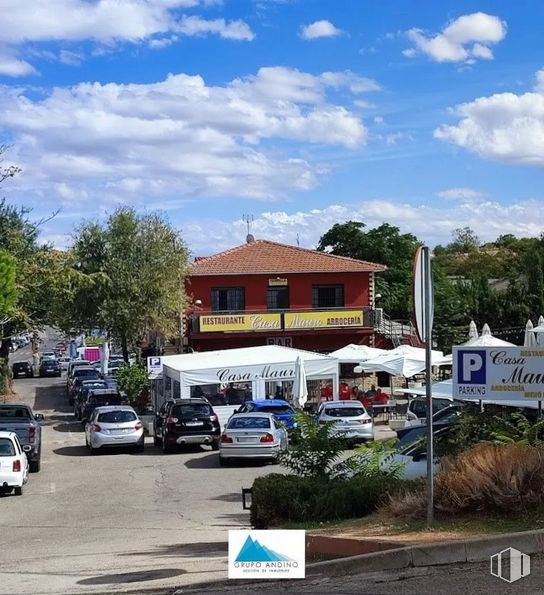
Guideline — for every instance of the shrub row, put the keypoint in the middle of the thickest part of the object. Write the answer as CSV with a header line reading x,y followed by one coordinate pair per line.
x,y
287,498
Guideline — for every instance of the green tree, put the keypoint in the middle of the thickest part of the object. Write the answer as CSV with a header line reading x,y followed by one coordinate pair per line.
x,y
8,290
133,381
384,245
464,240
134,268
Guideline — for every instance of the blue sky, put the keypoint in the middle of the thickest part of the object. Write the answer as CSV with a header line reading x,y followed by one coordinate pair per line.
x,y
428,115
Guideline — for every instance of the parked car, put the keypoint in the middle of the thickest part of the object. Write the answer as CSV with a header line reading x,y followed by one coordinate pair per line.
x,y
186,421
417,408
352,420
13,464
114,427
85,387
281,409
50,367
445,416
64,362
252,436
99,397
76,363
79,374
20,419
47,356
22,369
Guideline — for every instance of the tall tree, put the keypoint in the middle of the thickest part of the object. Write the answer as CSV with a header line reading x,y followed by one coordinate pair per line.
x,y
135,267
8,290
384,245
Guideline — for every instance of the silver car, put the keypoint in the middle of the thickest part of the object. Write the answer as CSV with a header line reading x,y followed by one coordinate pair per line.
x,y
352,420
113,426
252,436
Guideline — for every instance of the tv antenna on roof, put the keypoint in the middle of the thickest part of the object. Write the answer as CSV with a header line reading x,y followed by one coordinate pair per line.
x,y
298,240
248,219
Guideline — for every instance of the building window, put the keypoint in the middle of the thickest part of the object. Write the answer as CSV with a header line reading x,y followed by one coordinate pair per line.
x,y
277,298
228,299
327,296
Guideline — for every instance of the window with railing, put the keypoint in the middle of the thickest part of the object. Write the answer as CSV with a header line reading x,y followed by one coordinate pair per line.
x,y
228,299
277,298
327,296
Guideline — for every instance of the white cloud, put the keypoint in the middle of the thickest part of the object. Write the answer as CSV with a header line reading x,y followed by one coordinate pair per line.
x,y
11,65
237,30
179,138
505,126
431,224
465,39
319,29
461,194
105,22
70,58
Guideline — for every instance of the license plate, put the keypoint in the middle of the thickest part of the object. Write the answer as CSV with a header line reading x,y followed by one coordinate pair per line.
x,y
250,439
194,423
120,431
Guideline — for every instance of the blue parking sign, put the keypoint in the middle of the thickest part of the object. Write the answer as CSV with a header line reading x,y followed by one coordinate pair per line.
x,y
471,366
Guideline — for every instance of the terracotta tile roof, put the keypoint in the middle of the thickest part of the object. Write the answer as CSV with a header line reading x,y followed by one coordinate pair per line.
x,y
266,257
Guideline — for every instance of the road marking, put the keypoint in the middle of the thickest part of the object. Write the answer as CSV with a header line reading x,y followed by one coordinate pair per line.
x,y
53,488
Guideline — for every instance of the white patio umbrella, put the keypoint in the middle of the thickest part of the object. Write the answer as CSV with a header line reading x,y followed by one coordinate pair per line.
x,y
538,332
486,339
530,338
355,354
472,330
300,387
404,360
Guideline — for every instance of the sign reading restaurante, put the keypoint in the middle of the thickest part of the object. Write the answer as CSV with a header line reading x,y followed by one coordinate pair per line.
x,y
240,322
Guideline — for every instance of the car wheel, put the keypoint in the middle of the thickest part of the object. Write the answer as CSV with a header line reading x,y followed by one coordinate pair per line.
x,y
35,466
215,444
18,491
92,451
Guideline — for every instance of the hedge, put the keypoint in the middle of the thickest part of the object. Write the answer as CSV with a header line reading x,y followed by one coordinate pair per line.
x,y
280,498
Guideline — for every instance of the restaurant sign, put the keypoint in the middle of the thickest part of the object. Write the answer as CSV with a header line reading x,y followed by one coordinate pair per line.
x,y
324,319
495,373
240,322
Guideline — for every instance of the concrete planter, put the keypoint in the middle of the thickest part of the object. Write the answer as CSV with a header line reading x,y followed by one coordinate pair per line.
x,y
397,424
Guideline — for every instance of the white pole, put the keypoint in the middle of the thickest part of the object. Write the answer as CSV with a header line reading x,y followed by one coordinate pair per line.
x,y
428,386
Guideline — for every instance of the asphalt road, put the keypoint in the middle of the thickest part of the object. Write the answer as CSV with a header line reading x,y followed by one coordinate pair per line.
x,y
464,579
119,519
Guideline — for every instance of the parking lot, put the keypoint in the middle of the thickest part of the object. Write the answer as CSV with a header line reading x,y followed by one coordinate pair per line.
x,y
118,519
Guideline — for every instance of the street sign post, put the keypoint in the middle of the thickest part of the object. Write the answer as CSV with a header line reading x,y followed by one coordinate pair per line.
x,y
154,367
423,314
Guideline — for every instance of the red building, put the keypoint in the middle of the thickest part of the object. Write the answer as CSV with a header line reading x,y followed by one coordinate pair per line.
x,y
265,292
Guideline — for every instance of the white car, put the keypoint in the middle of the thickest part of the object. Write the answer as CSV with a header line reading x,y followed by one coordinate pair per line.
x,y
64,363
114,426
352,420
252,436
13,464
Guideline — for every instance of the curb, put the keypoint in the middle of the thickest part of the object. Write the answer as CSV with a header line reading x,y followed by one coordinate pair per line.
x,y
454,552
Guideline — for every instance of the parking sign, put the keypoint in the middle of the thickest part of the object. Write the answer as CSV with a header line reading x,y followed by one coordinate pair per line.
x,y
154,366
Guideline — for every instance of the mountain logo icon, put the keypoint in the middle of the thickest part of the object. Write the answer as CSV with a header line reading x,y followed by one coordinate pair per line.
x,y
253,551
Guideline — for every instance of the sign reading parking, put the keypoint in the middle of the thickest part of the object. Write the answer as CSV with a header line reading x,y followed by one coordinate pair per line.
x,y
494,373
154,367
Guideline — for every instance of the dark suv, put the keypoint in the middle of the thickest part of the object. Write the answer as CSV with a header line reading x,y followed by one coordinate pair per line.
x,y
98,397
22,369
50,367
186,421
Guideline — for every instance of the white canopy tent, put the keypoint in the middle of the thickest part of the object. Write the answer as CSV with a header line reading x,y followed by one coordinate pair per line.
x,y
486,339
404,360
355,354
249,365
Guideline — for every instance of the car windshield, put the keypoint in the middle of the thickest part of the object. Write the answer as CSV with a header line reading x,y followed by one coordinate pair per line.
x,y
91,373
104,399
275,409
188,411
8,412
249,423
117,417
343,411
7,449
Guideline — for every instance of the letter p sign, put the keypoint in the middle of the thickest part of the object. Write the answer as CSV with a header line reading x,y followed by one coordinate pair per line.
x,y
471,367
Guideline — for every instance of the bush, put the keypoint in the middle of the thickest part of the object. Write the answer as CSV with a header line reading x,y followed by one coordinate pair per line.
x,y
133,382
487,478
287,498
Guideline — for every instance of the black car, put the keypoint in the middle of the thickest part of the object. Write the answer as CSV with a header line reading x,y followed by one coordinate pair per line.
x,y
186,421
22,369
99,397
50,367
85,387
